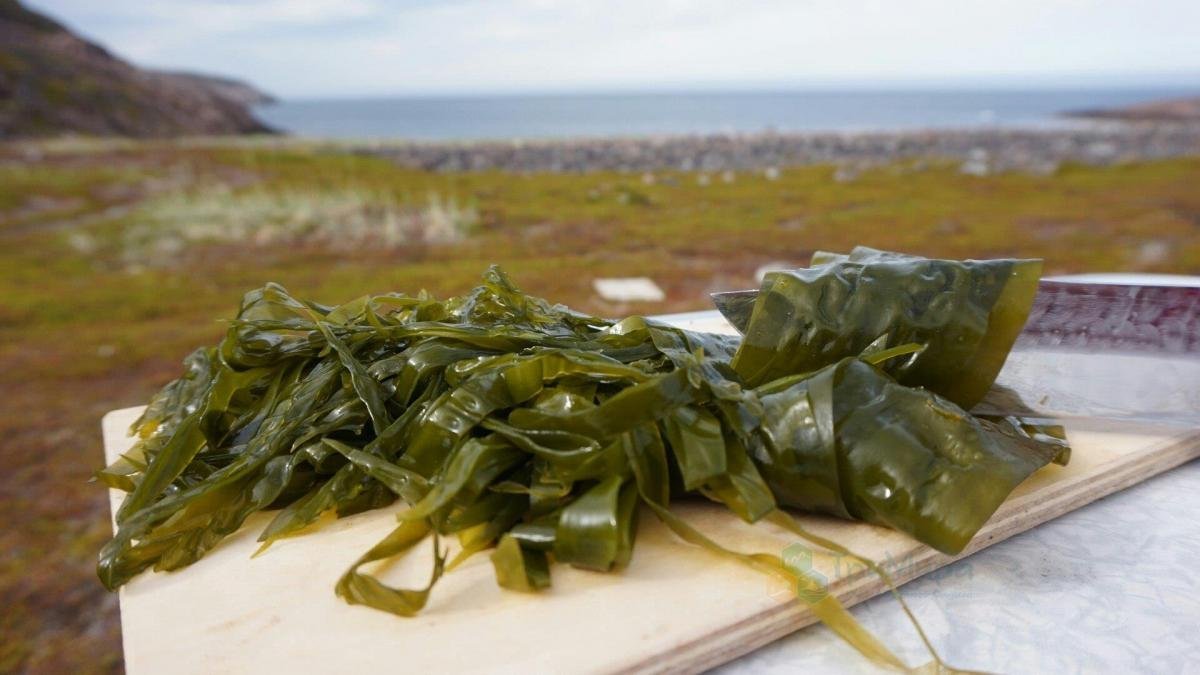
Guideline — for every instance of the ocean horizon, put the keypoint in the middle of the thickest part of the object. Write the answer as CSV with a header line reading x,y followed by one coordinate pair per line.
x,y
545,116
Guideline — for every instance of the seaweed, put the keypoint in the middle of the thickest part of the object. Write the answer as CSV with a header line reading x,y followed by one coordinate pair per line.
x,y
542,434
967,314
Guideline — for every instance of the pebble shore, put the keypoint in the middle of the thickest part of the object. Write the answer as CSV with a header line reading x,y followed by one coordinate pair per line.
x,y
978,151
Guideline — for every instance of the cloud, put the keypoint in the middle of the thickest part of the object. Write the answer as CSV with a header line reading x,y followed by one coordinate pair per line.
x,y
253,15
203,15
345,47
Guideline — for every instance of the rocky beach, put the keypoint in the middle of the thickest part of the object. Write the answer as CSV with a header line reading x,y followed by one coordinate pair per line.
x,y
976,151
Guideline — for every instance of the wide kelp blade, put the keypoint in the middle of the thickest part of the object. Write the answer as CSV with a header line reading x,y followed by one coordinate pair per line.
x,y
967,314
857,444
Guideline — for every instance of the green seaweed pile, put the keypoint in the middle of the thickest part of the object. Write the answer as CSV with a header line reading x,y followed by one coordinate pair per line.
x,y
540,434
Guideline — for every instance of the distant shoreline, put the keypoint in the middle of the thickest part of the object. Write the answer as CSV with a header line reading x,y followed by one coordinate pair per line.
x,y
643,114
1169,110
978,151
975,151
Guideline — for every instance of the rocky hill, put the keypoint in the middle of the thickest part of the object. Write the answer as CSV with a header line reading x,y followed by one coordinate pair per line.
x,y
53,82
227,88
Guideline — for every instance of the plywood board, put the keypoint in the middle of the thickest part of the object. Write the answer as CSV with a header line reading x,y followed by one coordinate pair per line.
x,y
674,609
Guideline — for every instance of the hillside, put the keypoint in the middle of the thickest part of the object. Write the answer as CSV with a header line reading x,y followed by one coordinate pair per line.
x,y
53,82
227,88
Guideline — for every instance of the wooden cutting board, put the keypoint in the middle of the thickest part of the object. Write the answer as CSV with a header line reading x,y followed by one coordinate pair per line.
x,y
676,608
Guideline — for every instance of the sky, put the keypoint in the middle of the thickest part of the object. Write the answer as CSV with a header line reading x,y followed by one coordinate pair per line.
x,y
349,48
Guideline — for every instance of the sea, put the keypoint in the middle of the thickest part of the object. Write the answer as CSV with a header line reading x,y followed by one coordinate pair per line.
x,y
647,114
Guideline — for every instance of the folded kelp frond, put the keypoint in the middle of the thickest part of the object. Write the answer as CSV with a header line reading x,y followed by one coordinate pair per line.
x,y
967,314
851,442
523,427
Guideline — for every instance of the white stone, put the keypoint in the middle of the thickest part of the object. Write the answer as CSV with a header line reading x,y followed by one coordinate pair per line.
x,y
974,167
628,289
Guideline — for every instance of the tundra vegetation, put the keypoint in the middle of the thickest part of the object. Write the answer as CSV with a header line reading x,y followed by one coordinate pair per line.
x,y
119,257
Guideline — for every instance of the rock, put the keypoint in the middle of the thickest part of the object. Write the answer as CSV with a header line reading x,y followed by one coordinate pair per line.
x,y
978,152
974,167
978,162
628,289
845,174
1153,252
1101,149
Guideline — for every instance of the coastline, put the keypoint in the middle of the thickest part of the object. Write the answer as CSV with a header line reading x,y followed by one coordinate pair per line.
x,y
1167,110
1038,150
978,151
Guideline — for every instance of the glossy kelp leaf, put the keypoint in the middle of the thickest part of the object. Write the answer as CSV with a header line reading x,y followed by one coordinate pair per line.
x,y
271,326
121,558
851,442
539,535
698,444
479,524
648,462
471,467
878,353
125,473
365,385
168,463
494,384
520,569
343,486
410,485
417,364
596,531
646,401
1038,432
741,487
179,398
966,313
357,588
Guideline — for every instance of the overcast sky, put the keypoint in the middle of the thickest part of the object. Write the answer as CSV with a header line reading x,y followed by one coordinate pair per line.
x,y
318,48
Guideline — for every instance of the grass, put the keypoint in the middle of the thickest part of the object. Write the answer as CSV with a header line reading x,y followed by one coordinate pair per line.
x,y
118,258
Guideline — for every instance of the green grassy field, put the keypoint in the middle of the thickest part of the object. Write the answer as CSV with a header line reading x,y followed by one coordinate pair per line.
x,y
117,259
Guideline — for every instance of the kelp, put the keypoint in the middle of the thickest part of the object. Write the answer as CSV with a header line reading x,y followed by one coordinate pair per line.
x,y
851,442
541,434
967,314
